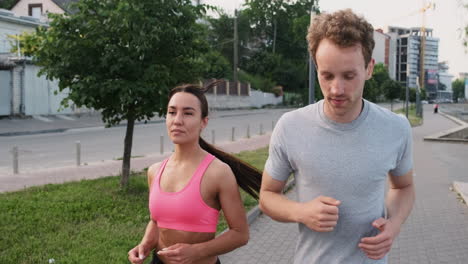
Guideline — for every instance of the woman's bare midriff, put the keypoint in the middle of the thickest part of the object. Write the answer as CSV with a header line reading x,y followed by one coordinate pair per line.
x,y
169,237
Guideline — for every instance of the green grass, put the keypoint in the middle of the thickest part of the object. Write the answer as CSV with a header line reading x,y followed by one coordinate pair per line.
x,y
414,120
91,221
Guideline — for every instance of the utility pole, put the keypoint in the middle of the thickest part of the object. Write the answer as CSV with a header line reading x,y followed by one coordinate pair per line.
x,y
274,35
236,51
311,64
422,71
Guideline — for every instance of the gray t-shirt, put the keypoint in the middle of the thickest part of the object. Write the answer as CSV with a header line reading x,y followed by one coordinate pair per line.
x,y
349,162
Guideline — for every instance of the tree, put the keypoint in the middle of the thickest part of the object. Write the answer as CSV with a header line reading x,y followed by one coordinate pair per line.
x,y
278,42
373,88
458,88
392,90
29,42
7,4
122,57
215,66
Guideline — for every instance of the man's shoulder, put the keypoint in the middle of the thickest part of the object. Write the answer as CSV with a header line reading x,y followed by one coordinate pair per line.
x,y
388,117
296,115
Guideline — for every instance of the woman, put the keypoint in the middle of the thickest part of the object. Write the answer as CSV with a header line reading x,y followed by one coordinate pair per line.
x,y
188,190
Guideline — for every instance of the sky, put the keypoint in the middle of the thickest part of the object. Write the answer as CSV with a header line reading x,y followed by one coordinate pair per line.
x,y
447,21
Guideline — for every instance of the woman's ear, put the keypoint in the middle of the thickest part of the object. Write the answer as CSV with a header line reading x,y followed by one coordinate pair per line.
x,y
204,122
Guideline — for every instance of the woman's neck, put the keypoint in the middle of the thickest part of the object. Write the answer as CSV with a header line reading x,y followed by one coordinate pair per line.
x,y
187,152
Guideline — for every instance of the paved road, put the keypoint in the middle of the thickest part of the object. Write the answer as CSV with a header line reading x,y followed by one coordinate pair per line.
x,y
53,150
436,231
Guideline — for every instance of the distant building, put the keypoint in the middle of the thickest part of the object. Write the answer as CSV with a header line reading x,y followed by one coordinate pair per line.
x,y
11,24
385,51
463,75
466,89
39,8
444,87
408,53
22,92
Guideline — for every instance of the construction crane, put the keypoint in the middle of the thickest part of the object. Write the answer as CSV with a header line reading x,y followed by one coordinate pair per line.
x,y
423,11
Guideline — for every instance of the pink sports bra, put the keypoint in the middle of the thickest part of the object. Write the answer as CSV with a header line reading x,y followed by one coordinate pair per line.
x,y
183,210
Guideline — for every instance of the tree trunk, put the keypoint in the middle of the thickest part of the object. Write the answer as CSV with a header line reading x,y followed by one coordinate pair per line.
x,y
127,150
391,105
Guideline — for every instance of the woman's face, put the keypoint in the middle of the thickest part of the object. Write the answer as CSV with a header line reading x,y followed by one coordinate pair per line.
x,y
184,120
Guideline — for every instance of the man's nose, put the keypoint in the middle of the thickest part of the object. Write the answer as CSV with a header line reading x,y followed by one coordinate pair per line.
x,y
337,87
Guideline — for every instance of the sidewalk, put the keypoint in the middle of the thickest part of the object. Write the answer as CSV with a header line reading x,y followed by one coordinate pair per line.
x,y
435,232
14,182
54,123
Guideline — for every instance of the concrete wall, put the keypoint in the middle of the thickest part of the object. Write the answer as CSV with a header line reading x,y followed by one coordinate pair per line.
x,y
379,50
256,99
392,53
40,97
259,99
18,106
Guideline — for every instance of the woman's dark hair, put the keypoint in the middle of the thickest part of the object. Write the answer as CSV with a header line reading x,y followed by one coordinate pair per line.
x,y
248,177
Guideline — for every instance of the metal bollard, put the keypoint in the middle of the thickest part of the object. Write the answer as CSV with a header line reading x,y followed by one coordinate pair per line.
x,y
261,129
272,125
232,134
15,159
248,131
161,144
78,153
213,137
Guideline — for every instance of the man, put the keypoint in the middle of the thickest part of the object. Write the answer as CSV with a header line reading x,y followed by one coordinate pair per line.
x,y
341,150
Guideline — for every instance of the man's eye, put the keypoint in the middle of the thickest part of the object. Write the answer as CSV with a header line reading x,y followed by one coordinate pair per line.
x,y
188,113
349,77
171,112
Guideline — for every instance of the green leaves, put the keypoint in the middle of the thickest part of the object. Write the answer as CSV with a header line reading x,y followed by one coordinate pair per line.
x,y
115,54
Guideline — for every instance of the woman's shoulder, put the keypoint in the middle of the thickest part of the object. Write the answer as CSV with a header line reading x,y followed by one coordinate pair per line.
x,y
152,170
219,170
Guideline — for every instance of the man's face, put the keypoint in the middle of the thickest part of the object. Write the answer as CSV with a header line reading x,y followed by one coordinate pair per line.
x,y
342,74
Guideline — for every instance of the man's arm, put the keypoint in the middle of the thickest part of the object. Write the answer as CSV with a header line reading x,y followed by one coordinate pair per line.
x,y
399,202
400,198
320,214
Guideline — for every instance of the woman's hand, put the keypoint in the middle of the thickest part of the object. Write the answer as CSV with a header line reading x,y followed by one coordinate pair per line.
x,y
138,254
179,253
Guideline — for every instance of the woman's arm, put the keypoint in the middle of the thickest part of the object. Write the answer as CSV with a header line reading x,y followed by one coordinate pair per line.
x,y
150,240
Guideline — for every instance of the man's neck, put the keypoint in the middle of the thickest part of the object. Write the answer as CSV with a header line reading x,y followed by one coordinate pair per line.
x,y
347,117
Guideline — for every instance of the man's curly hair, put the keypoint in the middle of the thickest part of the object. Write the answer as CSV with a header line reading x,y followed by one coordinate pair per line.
x,y
345,29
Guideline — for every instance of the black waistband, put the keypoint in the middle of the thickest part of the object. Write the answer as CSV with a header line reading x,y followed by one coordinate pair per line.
x,y
156,260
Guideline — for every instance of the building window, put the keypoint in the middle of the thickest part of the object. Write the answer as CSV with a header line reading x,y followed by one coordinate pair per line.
x,y
35,10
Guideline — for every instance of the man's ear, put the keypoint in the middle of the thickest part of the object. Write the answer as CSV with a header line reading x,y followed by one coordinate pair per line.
x,y
370,69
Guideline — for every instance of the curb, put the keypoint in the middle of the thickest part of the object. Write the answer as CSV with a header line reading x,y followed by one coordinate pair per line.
x,y
462,189
439,136
454,119
61,130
